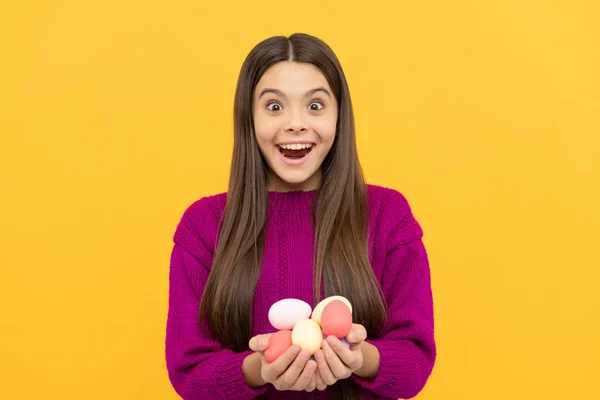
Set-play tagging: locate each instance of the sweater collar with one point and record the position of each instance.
(293, 200)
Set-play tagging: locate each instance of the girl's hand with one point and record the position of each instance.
(291, 371)
(335, 361)
(321, 385)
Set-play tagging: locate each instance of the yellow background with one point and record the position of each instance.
(116, 115)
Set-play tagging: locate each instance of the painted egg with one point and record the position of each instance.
(279, 342)
(285, 313)
(336, 319)
(316, 315)
(307, 333)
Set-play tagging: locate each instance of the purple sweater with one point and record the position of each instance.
(198, 365)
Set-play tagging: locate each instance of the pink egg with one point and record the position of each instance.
(336, 319)
(278, 344)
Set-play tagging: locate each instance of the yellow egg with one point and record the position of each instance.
(307, 333)
(316, 314)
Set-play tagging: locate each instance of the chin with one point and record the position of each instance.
(295, 180)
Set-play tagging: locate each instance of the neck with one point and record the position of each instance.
(276, 184)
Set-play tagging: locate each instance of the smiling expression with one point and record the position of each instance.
(295, 115)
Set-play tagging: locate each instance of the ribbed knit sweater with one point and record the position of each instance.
(198, 365)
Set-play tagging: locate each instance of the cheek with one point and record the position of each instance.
(265, 129)
(326, 129)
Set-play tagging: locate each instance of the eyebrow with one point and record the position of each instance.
(307, 94)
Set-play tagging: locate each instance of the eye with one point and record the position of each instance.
(274, 106)
(316, 105)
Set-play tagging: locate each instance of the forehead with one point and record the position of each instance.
(292, 78)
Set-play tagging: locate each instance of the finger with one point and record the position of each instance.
(293, 372)
(307, 378)
(259, 342)
(339, 370)
(325, 373)
(347, 356)
(320, 384)
(313, 382)
(311, 386)
(357, 334)
(279, 366)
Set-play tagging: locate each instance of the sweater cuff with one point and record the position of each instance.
(399, 372)
(230, 379)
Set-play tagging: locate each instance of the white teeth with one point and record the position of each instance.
(296, 146)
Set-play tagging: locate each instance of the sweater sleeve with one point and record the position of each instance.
(198, 366)
(406, 346)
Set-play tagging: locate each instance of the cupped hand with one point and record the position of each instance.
(291, 371)
(335, 361)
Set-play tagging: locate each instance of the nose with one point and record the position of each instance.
(295, 123)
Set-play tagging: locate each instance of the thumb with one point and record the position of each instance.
(357, 334)
(259, 342)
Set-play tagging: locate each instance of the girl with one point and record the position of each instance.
(297, 221)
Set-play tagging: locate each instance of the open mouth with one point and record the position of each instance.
(295, 151)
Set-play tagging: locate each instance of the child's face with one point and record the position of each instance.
(289, 110)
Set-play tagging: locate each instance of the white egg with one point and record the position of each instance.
(285, 313)
(316, 315)
(307, 333)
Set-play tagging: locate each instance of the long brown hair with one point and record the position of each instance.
(339, 213)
